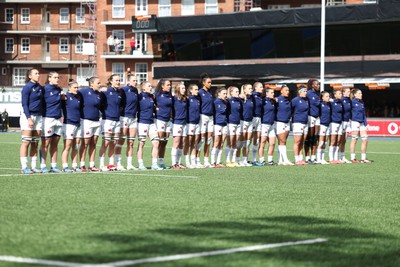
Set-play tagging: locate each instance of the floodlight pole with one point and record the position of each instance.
(322, 62)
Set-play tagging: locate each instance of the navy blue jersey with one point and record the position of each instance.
(258, 102)
(314, 102)
(32, 96)
(206, 104)
(52, 101)
(235, 110)
(164, 105)
(111, 104)
(193, 110)
(248, 106)
(269, 111)
(283, 110)
(358, 113)
(71, 107)
(325, 113)
(337, 111)
(220, 116)
(346, 102)
(129, 101)
(300, 109)
(146, 108)
(180, 111)
(90, 104)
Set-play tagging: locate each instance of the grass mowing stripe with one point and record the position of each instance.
(165, 258)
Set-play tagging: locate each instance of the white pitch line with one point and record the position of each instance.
(164, 258)
(38, 261)
(149, 174)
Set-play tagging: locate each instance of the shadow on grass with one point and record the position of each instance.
(346, 246)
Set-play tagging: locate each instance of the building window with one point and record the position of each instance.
(19, 75)
(78, 45)
(25, 16)
(120, 34)
(187, 7)
(63, 45)
(335, 2)
(9, 45)
(119, 68)
(9, 15)
(82, 73)
(25, 45)
(3, 71)
(141, 72)
(118, 8)
(80, 15)
(164, 8)
(278, 6)
(64, 15)
(141, 7)
(211, 7)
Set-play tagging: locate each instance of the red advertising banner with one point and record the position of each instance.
(383, 127)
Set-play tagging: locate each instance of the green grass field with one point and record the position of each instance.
(111, 217)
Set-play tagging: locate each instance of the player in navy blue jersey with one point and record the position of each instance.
(358, 126)
(335, 127)
(128, 121)
(220, 127)
(110, 124)
(325, 120)
(31, 120)
(206, 117)
(267, 127)
(282, 124)
(311, 142)
(245, 125)
(90, 123)
(193, 126)
(164, 106)
(71, 106)
(179, 128)
(147, 126)
(52, 124)
(235, 115)
(257, 113)
(346, 129)
(300, 109)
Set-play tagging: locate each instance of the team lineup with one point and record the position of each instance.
(238, 122)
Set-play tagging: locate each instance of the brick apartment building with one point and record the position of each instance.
(70, 36)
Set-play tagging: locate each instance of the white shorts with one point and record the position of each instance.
(246, 126)
(220, 130)
(147, 129)
(163, 126)
(268, 130)
(335, 128)
(256, 124)
(299, 128)
(206, 124)
(37, 123)
(324, 130)
(70, 131)
(179, 130)
(193, 129)
(128, 123)
(281, 127)
(346, 127)
(89, 128)
(358, 127)
(312, 121)
(234, 129)
(110, 127)
(51, 126)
